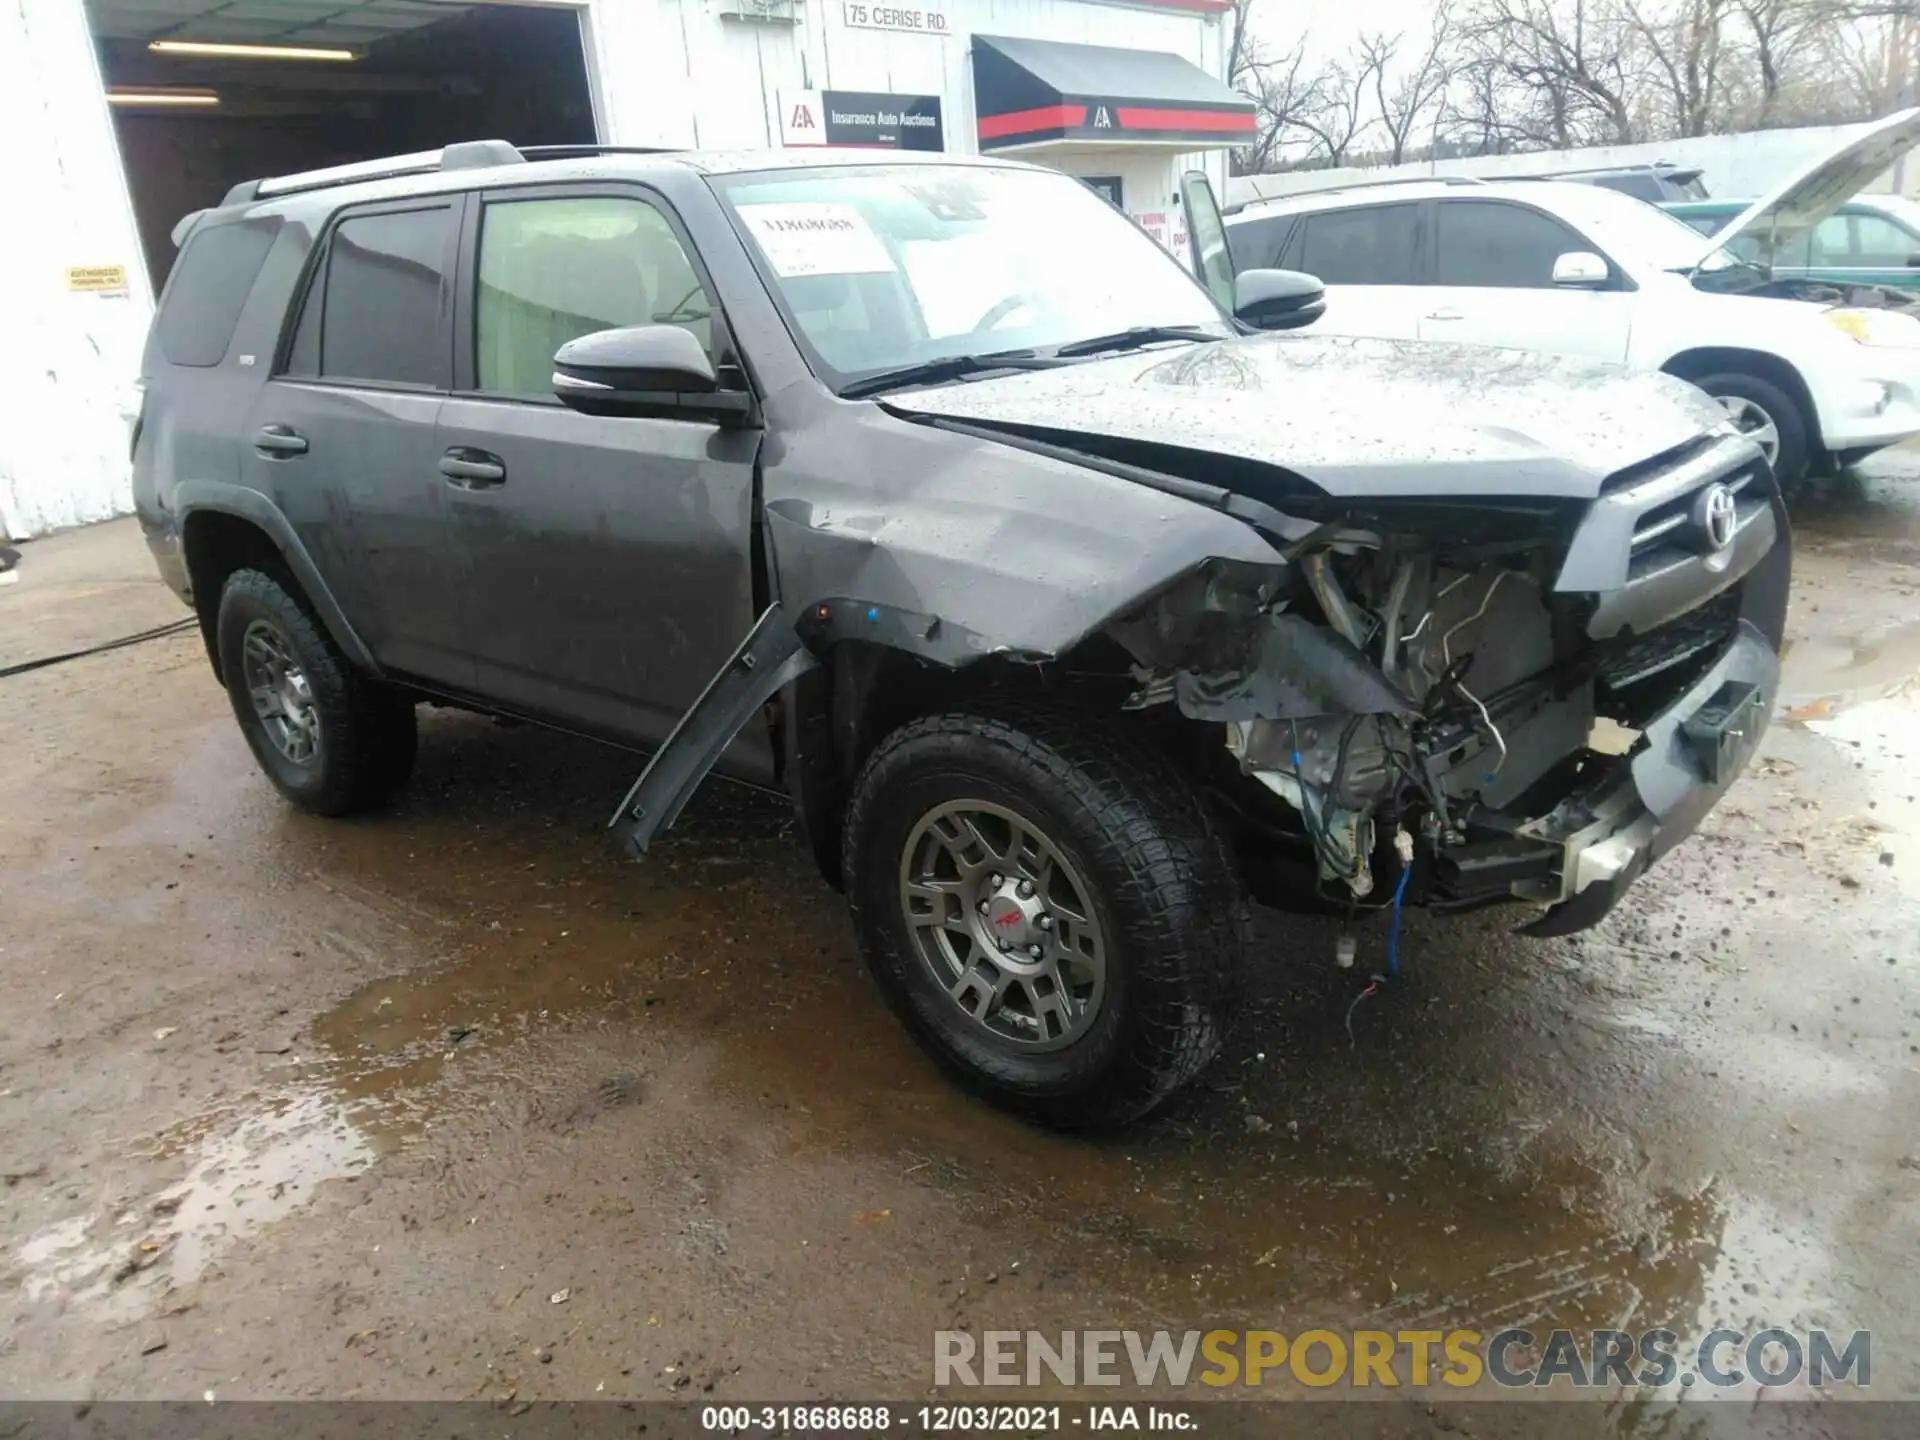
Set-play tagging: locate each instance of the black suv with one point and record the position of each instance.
(1071, 609)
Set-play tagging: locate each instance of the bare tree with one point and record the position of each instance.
(1406, 95)
(1683, 45)
(1337, 113)
(1284, 89)
(1487, 113)
(1575, 58)
(1778, 31)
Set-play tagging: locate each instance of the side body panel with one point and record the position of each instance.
(609, 570)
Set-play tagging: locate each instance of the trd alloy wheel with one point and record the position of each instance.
(1000, 918)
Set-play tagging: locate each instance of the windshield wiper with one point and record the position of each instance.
(1133, 339)
(948, 367)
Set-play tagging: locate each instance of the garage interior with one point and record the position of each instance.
(385, 77)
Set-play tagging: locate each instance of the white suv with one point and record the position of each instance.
(1574, 269)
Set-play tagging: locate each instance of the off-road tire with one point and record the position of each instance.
(367, 733)
(1791, 468)
(1164, 886)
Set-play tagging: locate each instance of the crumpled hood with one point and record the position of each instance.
(1357, 417)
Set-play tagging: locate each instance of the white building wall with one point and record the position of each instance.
(683, 72)
(68, 367)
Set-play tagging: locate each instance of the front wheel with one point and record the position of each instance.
(1770, 417)
(1048, 909)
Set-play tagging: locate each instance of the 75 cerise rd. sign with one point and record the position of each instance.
(912, 19)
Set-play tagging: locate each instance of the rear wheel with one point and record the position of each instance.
(1048, 909)
(1769, 416)
(331, 739)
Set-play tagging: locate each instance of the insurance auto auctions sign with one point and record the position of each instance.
(861, 117)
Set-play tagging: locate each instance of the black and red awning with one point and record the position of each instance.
(1037, 92)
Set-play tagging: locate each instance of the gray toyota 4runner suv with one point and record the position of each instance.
(1072, 610)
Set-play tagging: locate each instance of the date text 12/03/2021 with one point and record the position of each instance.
(945, 1419)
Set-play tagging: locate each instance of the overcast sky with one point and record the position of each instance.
(1279, 23)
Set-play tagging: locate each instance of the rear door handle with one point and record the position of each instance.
(1445, 315)
(470, 469)
(280, 440)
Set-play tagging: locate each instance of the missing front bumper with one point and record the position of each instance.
(1688, 757)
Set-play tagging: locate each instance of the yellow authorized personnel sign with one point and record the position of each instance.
(97, 279)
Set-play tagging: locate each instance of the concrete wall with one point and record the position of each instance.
(1736, 166)
(68, 368)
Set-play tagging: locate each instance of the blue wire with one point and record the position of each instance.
(1393, 935)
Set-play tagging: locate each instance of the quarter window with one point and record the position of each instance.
(211, 280)
(1374, 246)
(554, 270)
(1505, 247)
(385, 301)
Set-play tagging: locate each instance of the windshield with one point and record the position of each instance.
(1638, 234)
(889, 266)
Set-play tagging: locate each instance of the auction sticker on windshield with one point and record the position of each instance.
(816, 238)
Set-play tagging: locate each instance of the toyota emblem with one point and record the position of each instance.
(1714, 516)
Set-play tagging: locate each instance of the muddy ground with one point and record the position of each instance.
(453, 1102)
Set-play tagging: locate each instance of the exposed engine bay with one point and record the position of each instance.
(1401, 696)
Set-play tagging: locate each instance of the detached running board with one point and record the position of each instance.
(771, 657)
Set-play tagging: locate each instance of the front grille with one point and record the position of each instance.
(1669, 523)
(1639, 676)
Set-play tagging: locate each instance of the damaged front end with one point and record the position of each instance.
(1503, 700)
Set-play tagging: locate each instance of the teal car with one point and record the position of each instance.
(1870, 240)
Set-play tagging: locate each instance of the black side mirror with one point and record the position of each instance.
(649, 370)
(1278, 299)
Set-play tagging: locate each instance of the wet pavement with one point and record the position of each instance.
(454, 1102)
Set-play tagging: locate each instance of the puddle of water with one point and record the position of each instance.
(243, 1177)
(1884, 736)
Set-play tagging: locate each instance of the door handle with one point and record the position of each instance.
(1444, 315)
(281, 440)
(470, 469)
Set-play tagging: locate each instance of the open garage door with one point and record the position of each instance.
(206, 93)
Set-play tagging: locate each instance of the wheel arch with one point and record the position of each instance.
(224, 528)
(1703, 361)
(835, 715)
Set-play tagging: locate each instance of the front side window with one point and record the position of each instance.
(1491, 245)
(385, 306)
(1881, 243)
(1377, 245)
(555, 269)
(880, 267)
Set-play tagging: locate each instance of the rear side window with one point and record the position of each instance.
(379, 308)
(210, 283)
(1256, 243)
(1641, 185)
(1374, 246)
(1498, 246)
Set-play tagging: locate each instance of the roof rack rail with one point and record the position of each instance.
(464, 155)
(1355, 185)
(576, 152)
